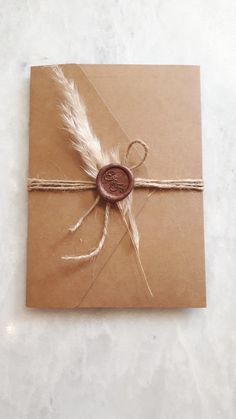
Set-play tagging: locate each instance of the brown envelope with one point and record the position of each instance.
(161, 105)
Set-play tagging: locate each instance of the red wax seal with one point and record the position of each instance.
(114, 182)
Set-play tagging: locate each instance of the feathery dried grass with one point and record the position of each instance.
(75, 120)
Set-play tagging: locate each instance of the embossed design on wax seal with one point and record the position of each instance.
(114, 182)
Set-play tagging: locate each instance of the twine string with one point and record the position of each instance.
(81, 219)
(97, 250)
(36, 184)
(145, 153)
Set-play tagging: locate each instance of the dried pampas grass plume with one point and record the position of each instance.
(75, 120)
(84, 141)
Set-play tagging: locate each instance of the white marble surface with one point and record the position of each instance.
(177, 364)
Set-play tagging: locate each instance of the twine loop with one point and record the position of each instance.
(145, 153)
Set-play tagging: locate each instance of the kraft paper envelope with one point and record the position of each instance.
(160, 105)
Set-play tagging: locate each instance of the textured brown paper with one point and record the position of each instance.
(161, 105)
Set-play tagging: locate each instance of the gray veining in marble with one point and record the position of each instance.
(177, 364)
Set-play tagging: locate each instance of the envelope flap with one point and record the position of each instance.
(161, 105)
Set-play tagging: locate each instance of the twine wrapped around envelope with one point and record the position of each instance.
(109, 174)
